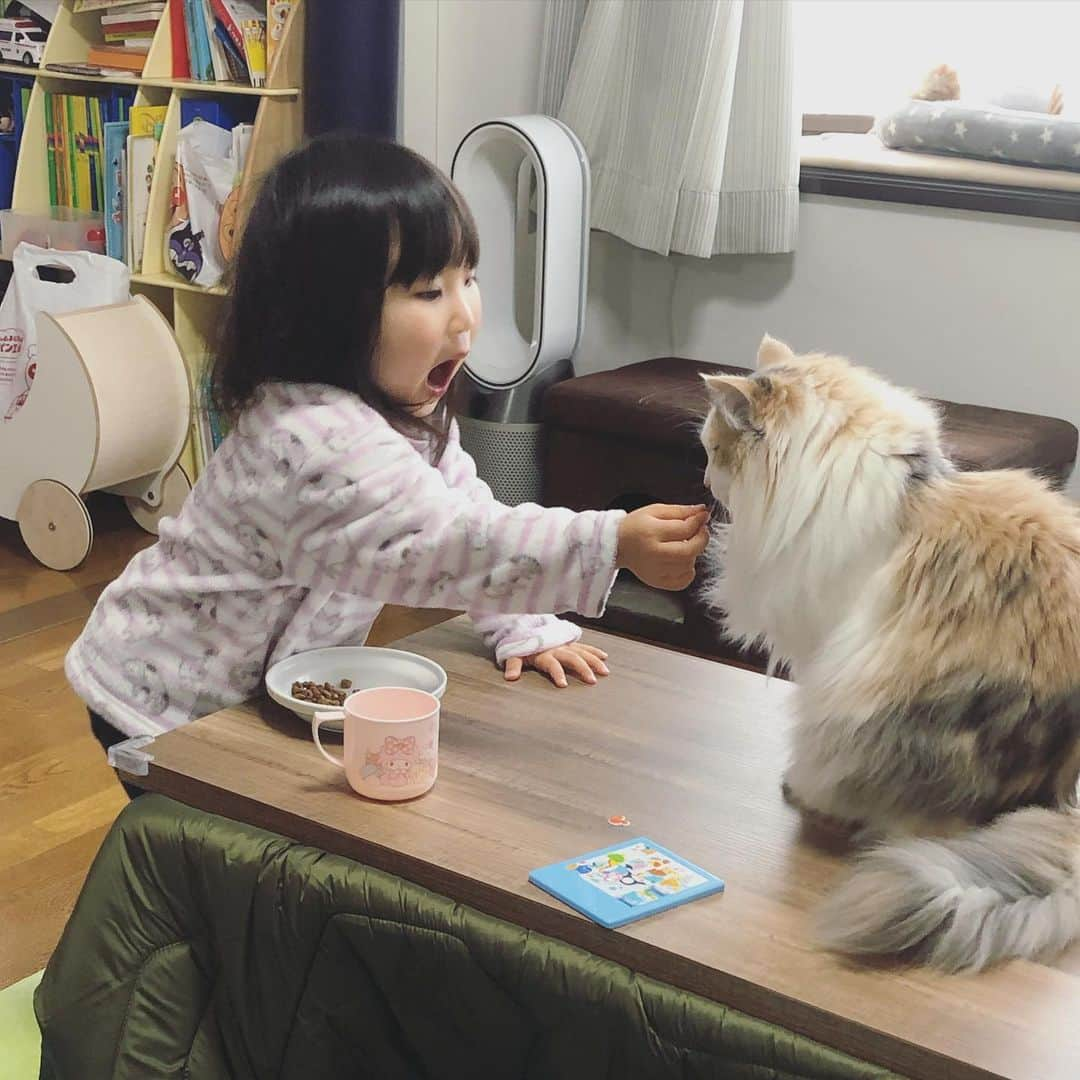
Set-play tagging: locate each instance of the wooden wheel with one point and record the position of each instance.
(55, 525)
(175, 488)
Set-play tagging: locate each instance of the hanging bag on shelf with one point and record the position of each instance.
(203, 179)
(55, 282)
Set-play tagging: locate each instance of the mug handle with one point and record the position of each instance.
(322, 718)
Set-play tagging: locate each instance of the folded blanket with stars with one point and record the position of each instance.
(986, 131)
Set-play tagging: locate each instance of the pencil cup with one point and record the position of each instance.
(391, 741)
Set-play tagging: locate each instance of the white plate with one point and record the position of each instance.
(365, 665)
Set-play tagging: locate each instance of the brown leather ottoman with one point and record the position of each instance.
(628, 437)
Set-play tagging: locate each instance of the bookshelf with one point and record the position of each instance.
(193, 311)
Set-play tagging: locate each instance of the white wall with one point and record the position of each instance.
(465, 61)
(966, 306)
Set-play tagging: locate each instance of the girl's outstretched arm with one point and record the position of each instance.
(368, 515)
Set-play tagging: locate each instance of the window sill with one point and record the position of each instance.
(859, 167)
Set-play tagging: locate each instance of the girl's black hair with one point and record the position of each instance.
(333, 225)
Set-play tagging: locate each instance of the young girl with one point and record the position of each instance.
(342, 485)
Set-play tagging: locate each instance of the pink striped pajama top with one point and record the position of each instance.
(313, 513)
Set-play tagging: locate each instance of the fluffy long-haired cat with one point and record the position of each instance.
(931, 619)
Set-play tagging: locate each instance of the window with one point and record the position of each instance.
(34, 35)
(861, 57)
(5, 35)
(856, 59)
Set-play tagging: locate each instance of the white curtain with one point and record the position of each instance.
(687, 111)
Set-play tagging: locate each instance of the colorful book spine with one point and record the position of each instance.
(50, 150)
(92, 157)
(115, 135)
(71, 156)
(63, 176)
(121, 102)
(217, 53)
(215, 424)
(80, 132)
(232, 27)
(203, 67)
(255, 50)
(117, 56)
(192, 43)
(181, 65)
(97, 133)
(233, 57)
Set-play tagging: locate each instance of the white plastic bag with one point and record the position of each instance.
(205, 173)
(93, 281)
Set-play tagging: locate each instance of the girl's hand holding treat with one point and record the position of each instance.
(659, 544)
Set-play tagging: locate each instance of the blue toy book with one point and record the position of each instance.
(628, 881)
(116, 134)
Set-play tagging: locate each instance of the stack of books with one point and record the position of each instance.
(128, 31)
(219, 40)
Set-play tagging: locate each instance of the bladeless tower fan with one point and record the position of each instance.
(526, 179)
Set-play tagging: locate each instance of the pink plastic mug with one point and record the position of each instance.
(391, 741)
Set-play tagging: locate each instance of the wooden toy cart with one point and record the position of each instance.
(109, 410)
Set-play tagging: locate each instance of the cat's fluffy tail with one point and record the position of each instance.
(1010, 889)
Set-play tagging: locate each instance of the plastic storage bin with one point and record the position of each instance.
(59, 228)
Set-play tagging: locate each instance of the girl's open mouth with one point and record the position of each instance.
(440, 376)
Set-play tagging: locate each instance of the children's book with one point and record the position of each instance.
(255, 50)
(181, 65)
(234, 58)
(628, 881)
(75, 190)
(95, 138)
(79, 129)
(145, 118)
(202, 64)
(140, 166)
(217, 52)
(50, 149)
(116, 134)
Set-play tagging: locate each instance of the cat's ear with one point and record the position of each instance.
(771, 351)
(732, 397)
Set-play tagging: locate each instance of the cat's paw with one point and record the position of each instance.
(817, 821)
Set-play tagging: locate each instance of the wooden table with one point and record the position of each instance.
(691, 752)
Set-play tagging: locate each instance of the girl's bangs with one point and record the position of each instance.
(430, 233)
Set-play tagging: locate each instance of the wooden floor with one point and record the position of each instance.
(57, 794)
